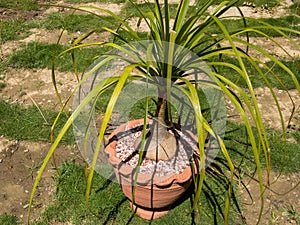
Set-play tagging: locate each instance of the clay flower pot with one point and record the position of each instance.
(153, 196)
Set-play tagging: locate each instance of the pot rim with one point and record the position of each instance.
(127, 171)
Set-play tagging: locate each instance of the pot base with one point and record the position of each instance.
(147, 214)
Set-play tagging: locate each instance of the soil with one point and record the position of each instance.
(20, 160)
(19, 165)
(280, 198)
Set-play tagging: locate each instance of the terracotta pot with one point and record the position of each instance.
(152, 198)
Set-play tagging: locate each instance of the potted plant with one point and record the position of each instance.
(181, 57)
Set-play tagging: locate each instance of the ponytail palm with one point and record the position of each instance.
(174, 51)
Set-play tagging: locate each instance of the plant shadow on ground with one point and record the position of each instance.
(108, 205)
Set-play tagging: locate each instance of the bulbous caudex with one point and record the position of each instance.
(159, 144)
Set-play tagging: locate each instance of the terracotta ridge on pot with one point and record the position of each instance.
(152, 198)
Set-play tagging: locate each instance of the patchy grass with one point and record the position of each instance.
(19, 4)
(13, 30)
(41, 55)
(107, 205)
(3, 68)
(101, 1)
(29, 124)
(2, 85)
(9, 220)
(287, 22)
(284, 155)
(76, 22)
(295, 8)
(268, 4)
(257, 80)
(35, 55)
(133, 11)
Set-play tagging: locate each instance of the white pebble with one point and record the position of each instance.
(125, 149)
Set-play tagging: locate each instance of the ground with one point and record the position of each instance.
(20, 160)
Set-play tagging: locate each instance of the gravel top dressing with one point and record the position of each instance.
(127, 153)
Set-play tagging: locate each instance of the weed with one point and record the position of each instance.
(292, 213)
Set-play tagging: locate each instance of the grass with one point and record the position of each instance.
(26, 5)
(28, 123)
(31, 4)
(35, 55)
(2, 85)
(75, 22)
(257, 80)
(40, 55)
(284, 154)
(233, 25)
(290, 21)
(15, 29)
(19, 28)
(295, 8)
(131, 10)
(88, 1)
(107, 204)
(9, 220)
(258, 3)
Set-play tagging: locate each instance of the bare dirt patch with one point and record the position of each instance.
(282, 200)
(34, 86)
(287, 50)
(8, 14)
(19, 164)
(289, 103)
(92, 7)
(52, 36)
(249, 10)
